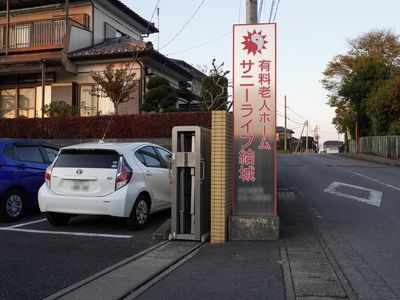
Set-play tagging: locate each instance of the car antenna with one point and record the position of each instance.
(108, 126)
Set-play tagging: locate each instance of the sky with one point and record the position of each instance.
(309, 34)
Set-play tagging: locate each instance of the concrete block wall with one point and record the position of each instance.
(221, 174)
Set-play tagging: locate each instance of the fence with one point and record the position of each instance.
(385, 146)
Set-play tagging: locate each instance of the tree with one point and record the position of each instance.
(160, 96)
(117, 84)
(383, 107)
(60, 109)
(350, 78)
(215, 89)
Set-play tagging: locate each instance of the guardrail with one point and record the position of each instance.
(385, 146)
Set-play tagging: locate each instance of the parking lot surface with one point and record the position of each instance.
(38, 259)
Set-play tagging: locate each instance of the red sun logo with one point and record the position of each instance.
(254, 42)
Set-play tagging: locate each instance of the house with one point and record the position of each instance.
(190, 93)
(333, 147)
(49, 47)
(280, 133)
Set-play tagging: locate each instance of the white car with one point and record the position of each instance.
(128, 180)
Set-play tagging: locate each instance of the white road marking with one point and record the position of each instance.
(66, 233)
(28, 223)
(374, 198)
(375, 180)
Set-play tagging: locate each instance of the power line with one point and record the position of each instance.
(240, 10)
(299, 123)
(260, 9)
(291, 118)
(296, 114)
(276, 10)
(202, 44)
(183, 27)
(271, 10)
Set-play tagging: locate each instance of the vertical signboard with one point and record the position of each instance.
(254, 96)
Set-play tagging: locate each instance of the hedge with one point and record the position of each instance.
(123, 126)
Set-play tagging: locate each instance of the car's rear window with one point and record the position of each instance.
(102, 159)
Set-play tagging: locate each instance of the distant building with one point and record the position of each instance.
(280, 133)
(333, 147)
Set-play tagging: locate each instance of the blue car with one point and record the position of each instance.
(22, 167)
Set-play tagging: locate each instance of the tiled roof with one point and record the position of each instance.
(126, 47)
(112, 47)
(280, 129)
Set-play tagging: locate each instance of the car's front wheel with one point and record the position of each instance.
(140, 213)
(57, 219)
(12, 206)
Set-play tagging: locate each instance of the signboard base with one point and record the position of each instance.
(253, 228)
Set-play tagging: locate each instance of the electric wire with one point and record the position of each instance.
(296, 114)
(260, 10)
(184, 26)
(131, 69)
(240, 10)
(276, 10)
(202, 44)
(292, 118)
(271, 10)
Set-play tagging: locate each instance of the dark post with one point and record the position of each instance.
(43, 84)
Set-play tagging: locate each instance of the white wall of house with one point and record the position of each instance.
(103, 15)
(79, 39)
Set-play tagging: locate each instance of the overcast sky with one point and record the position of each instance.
(310, 33)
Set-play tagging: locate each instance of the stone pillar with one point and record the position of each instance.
(221, 174)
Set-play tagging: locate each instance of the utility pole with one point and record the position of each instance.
(307, 138)
(300, 139)
(285, 135)
(158, 25)
(251, 12)
(316, 136)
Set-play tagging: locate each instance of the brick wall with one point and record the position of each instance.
(221, 174)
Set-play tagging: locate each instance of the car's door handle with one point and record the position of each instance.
(149, 173)
(21, 166)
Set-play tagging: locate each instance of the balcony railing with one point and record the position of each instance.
(34, 35)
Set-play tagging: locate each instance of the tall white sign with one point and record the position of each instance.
(254, 98)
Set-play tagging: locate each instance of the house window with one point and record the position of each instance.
(112, 32)
(23, 102)
(8, 103)
(26, 102)
(88, 103)
(20, 35)
(93, 105)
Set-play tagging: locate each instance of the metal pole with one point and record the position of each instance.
(158, 25)
(251, 12)
(285, 127)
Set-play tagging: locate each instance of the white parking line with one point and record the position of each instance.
(27, 223)
(374, 197)
(66, 233)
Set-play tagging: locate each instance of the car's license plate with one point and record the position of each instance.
(80, 186)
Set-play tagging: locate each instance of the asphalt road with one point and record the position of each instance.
(356, 206)
(38, 259)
